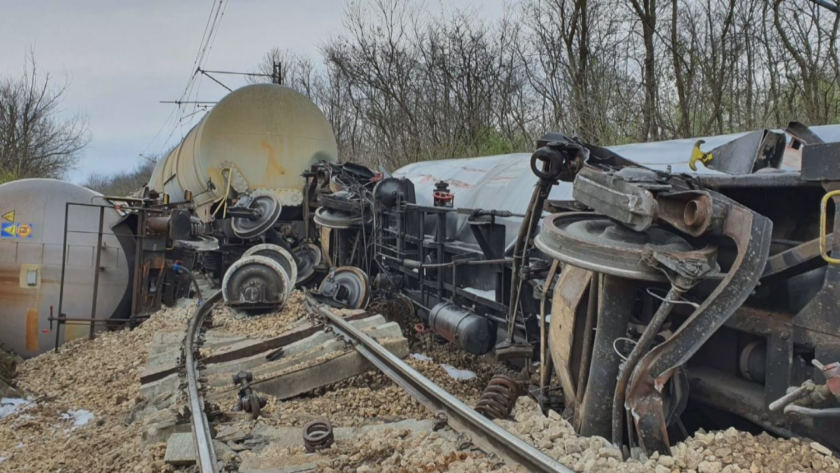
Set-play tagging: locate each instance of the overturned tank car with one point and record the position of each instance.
(232, 201)
(244, 169)
(642, 287)
(51, 233)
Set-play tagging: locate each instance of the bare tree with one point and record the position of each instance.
(123, 183)
(646, 12)
(810, 39)
(35, 140)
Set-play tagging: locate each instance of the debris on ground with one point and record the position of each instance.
(9, 406)
(9, 362)
(86, 400)
(81, 404)
(729, 451)
(268, 325)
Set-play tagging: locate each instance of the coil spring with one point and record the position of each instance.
(317, 435)
(498, 399)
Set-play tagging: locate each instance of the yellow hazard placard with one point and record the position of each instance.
(9, 216)
(8, 230)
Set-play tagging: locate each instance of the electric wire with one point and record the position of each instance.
(192, 87)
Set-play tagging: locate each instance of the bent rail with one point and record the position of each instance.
(483, 432)
(207, 461)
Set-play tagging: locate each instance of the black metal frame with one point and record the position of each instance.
(434, 268)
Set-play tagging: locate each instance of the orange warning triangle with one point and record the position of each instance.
(9, 216)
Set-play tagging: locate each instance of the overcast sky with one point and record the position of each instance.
(124, 57)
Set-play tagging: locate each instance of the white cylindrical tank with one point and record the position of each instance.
(267, 134)
(31, 248)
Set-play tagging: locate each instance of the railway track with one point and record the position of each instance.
(206, 454)
(480, 430)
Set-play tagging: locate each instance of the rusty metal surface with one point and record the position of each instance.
(25, 308)
(499, 398)
(751, 233)
(616, 197)
(690, 212)
(268, 134)
(202, 434)
(641, 347)
(318, 435)
(570, 292)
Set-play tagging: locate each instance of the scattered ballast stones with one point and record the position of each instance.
(729, 451)
(82, 406)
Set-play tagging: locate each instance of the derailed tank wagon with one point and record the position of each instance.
(50, 234)
(714, 289)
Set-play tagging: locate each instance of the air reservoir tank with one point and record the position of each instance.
(266, 134)
(31, 249)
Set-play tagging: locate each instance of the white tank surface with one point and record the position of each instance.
(31, 248)
(506, 182)
(266, 134)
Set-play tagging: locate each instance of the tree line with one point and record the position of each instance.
(400, 84)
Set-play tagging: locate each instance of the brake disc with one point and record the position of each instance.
(269, 211)
(280, 255)
(599, 244)
(255, 282)
(348, 286)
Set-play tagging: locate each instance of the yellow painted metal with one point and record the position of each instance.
(269, 135)
(823, 231)
(698, 155)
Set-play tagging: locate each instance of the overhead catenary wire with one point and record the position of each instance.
(192, 87)
(208, 47)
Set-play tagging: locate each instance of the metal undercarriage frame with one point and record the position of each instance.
(432, 269)
(724, 317)
(728, 352)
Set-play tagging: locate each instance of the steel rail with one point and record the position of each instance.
(482, 431)
(206, 460)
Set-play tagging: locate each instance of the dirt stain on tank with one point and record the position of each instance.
(273, 168)
(10, 290)
(32, 330)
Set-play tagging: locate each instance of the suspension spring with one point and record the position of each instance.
(498, 398)
(318, 435)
